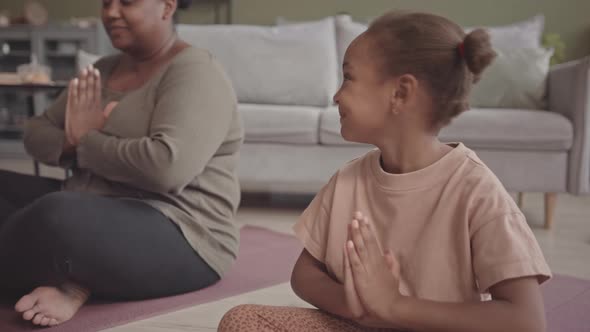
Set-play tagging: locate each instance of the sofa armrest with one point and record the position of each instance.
(569, 94)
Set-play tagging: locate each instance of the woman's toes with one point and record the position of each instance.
(53, 322)
(38, 318)
(26, 302)
(29, 314)
(45, 321)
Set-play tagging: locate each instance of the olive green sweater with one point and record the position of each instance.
(172, 143)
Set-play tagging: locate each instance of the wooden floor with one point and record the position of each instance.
(566, 247)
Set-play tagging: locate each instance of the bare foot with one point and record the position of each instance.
(50, 306)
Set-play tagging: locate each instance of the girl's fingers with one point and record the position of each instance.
(355, 261)
(392, 263)
(357, 238)
(369, 238)
(347, 268)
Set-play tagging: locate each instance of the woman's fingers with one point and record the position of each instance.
(109, 108)
(97, 90)
(90, 88)
(73, 101)
(82, 89)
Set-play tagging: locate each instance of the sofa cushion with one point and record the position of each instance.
(346, 31)
(506, 129)
(499, 87)
(511, 129)
(280, 123)
(286, 65)
(524, 34)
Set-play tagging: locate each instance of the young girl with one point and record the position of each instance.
(416, 235)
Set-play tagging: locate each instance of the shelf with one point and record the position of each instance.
(56, 46)
(11, 132)
(60, 55)
(12, 148)
(15, 54)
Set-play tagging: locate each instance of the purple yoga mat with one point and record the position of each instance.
(266, 258)
(567, 304)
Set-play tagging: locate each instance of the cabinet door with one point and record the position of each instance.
(16, 48)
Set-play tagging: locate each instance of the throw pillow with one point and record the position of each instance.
(516, 79)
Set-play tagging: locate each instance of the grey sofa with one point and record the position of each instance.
(285, 78)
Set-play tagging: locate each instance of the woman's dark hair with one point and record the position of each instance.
(184, 4)
(436, 51)
(181, 5)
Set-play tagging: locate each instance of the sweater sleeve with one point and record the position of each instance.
(192, 115)
(44, 135)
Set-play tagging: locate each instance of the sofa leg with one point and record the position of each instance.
(550, 202)
(520, 200)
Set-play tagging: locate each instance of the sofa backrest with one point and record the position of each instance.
(287, 65)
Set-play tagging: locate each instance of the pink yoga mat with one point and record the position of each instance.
(266, 258)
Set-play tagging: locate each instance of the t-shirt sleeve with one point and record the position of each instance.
(313, 225)
(505, 248)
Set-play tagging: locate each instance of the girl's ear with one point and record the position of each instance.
(405, 88)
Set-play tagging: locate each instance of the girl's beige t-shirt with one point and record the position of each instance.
(454, 228)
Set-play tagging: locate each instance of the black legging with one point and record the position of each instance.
(120, 249)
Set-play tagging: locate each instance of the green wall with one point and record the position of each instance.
(569, 18)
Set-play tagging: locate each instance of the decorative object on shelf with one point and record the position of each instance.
(35, 13)
(68, 48)
(29, 73)
(34, 72)
(4, 19)
(84, 22)
(5, 48)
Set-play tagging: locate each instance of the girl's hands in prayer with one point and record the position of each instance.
(375, 275)
(352, 299)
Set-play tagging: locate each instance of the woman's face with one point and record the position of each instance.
(132, 24)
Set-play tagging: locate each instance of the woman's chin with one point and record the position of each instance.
(120, 44)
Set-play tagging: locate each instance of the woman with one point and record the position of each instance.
(152, 137)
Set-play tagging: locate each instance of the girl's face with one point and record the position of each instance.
(364, 99)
